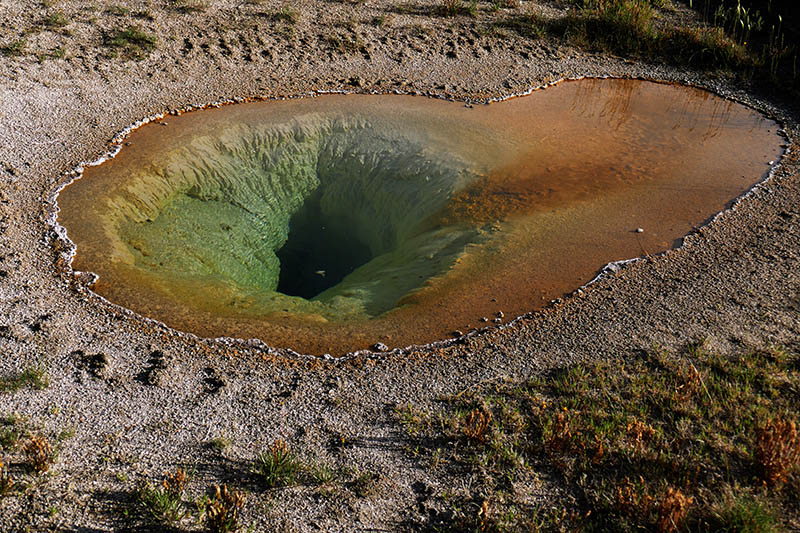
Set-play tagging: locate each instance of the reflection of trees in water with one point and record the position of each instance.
(685, 108)
(598, 98)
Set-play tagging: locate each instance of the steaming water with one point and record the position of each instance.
(329, 224)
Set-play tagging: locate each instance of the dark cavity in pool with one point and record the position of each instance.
(320, 251)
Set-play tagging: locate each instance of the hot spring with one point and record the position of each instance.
(329, 224)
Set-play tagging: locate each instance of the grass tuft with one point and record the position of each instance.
(222, 512)
(34, 378)
(39, 453)
(277, 466)
(132, 43)
(164, 503)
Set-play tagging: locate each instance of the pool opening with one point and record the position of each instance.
(320, 251)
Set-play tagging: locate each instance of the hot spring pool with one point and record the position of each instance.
(329, 224)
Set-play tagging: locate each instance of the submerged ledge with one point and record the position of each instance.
(69, 248)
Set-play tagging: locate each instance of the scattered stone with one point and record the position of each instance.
(639, 230)
(380, 347)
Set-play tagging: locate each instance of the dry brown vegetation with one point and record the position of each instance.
(650, 442)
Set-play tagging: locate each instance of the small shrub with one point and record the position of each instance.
(777, 450)
(672, 510)
(163, 503)
(277, 466)
(476, 425)
(222, 512)
(39, 453)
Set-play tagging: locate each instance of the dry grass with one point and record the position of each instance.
(777, 450)
(38, 453)
(649, 442)
(222, 512)
(476, 424)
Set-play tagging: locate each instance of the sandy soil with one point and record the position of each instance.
(156, 398)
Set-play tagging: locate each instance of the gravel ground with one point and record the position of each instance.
(154, 399)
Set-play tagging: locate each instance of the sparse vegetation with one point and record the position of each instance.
(451, 8)
(277, 466)
(55, 20)
(651, 442)
(34, 378)
(190, 6)
(12, 431)
(15, 48)
(734, 37)
(39, 453)
(220, 443)
(222, 511)
(287, 14)
(6, 480)
(164, 503)
(132, 43)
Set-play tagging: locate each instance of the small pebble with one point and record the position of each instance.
(639, 230)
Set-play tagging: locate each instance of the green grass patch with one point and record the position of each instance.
(34, 378)
(131, 43)
(277, 466)
(734, 38)
(659, 441)
(14, 48)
